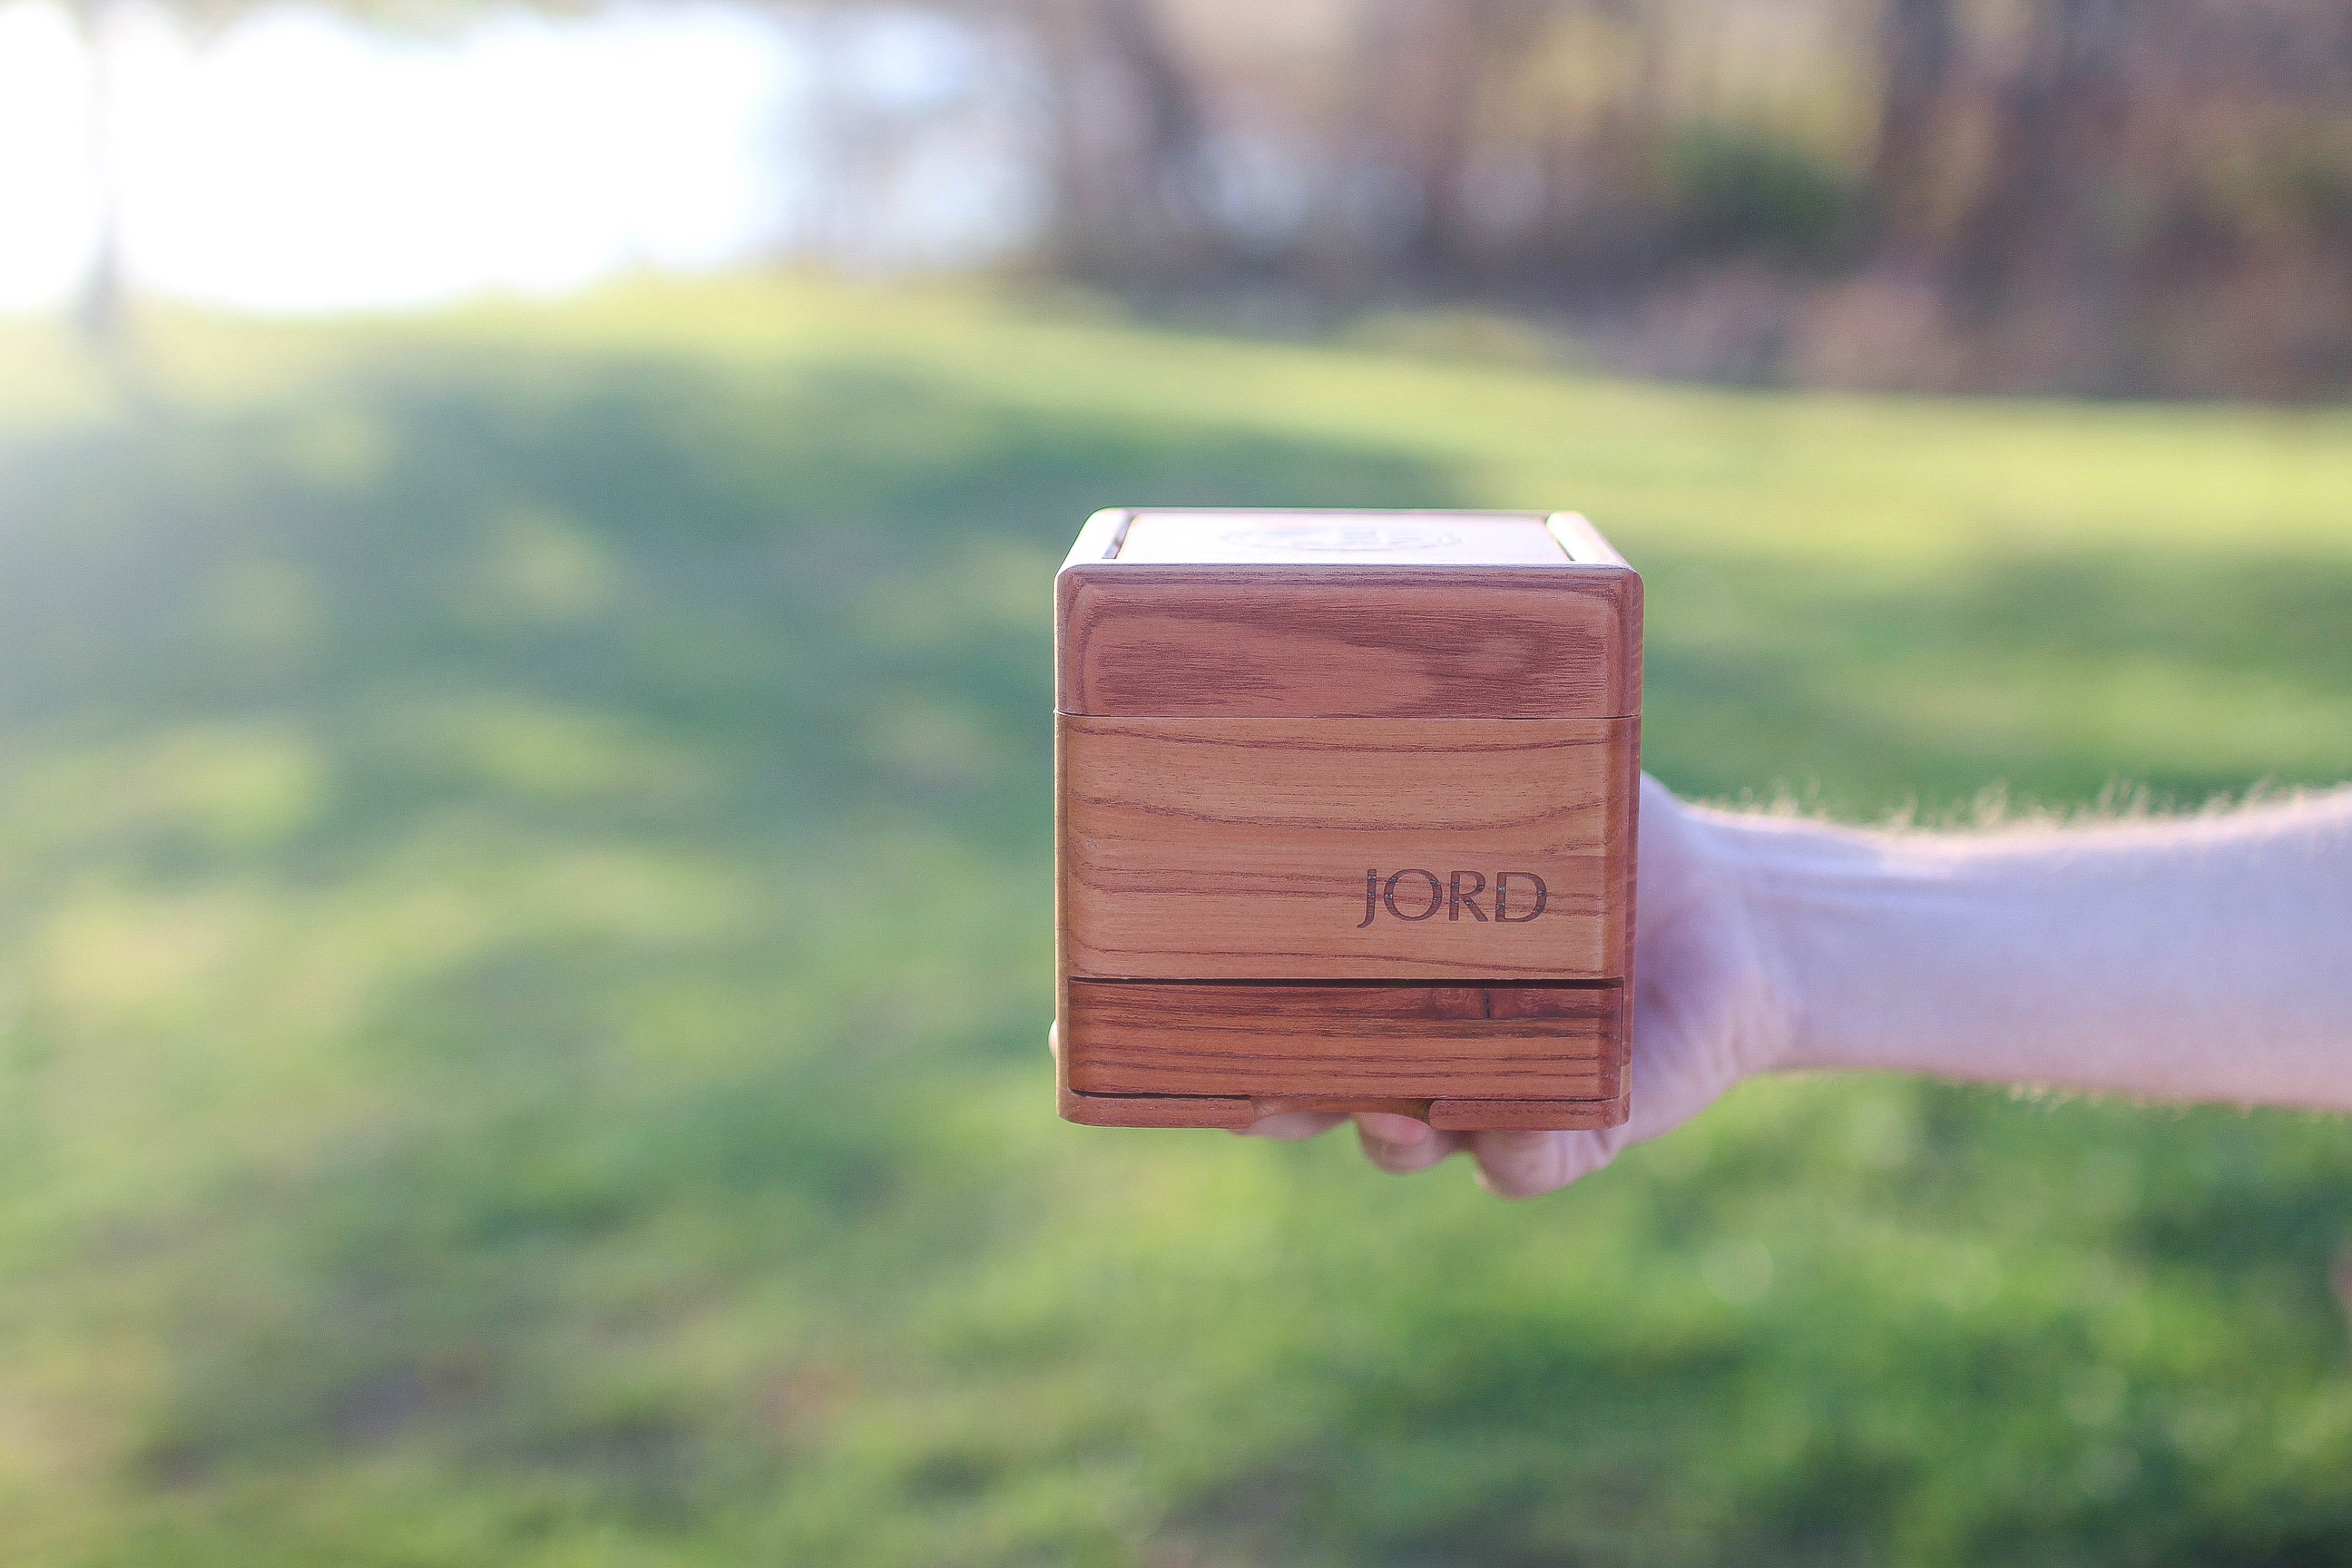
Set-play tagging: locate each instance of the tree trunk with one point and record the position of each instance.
(1130, 141)
(1430, 64)
(101, 306)
(1918, 52)
(2054, 142)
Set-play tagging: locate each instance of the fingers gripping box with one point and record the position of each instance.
(1345, 818)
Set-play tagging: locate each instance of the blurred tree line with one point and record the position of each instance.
(2091, 195)
(2082, 194)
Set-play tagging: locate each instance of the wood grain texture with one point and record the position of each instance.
(1155, 1110)
(1502, 642)
(1242, 739)
(1363, 1042)
(1245, 848)
(1232, 1112)
(1446, 1115)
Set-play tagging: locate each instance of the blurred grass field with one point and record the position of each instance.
(524, 959)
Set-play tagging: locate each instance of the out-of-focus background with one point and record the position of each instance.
(524, 828)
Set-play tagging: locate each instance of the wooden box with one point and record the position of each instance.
(1344, 817)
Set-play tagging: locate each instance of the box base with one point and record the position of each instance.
(1487, 1056)
(1235, 1113)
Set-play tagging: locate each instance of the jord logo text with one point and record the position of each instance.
(1413, 894)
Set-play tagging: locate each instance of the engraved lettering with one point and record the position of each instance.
(1457, 900)
(1436, 894)
(1518, 895)
(1501, 896)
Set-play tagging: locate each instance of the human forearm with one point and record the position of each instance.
(2200, 959)
(2208, 958)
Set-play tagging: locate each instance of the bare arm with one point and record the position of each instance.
(2206, 958)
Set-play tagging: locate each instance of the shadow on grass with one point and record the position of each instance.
(526, 929)
(824, 585)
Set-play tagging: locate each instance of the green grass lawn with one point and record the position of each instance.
(524, 959)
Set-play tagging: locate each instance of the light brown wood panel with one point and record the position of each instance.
(1155, 1110)
(1506, 642)
(1446, 1115)
(1259, 707)
(1340, 849)
(1327, 1042)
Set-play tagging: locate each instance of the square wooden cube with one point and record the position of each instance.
(1345, 818)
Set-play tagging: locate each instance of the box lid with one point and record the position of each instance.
(1301, 613)
(1339, 539)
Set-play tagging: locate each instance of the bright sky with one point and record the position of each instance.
(298, 163)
